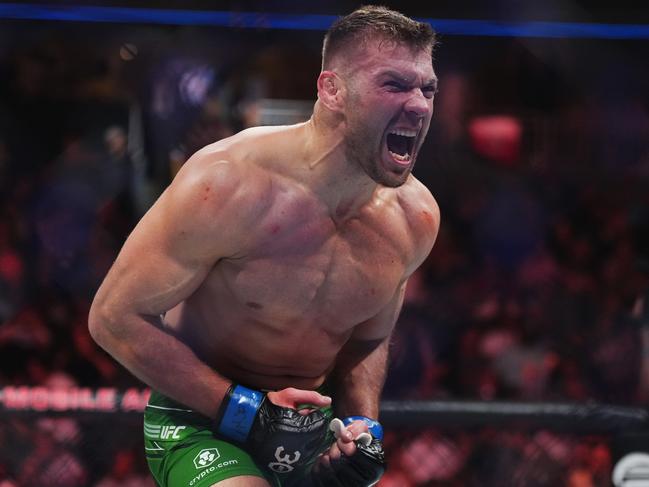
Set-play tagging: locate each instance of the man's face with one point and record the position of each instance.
(388, 109)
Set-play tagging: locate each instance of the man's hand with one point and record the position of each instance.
(346, 439)
(356, 459)
(282, 430)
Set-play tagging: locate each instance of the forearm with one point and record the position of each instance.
(359, 377)
(160, 360)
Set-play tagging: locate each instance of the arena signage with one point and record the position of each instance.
(42, 399)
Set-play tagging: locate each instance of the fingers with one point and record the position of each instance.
(341, 446)
(340, 431)
(344, 440)
(347, 436)
(345, 444)
(360, 432)
(358, 429)
(313, 398)
(299, 399)
(324, 461)
(336, 450)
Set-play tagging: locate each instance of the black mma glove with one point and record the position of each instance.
(363, 469)
(279, 438)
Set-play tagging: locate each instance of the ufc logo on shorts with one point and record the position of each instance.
(284, 462)
(167, 432)
(171, 432)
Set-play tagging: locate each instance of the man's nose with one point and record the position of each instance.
(418, 105)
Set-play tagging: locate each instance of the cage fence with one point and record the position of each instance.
(46, 440)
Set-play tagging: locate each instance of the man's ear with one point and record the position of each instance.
(331, 90)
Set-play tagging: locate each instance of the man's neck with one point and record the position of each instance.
(342, 185)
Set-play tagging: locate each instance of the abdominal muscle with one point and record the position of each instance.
(256, 354)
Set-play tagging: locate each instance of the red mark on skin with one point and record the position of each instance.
(274, 229)
(207, 190)
(427, 217)
(373, 291)
(254, 305)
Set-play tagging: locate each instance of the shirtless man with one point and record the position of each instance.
(268, 277)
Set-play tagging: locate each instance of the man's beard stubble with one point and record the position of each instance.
(359, 151)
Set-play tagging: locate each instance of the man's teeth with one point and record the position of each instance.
(404, 133)
(405, 157)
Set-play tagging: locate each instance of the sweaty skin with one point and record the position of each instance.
(276, 313)
(275, 259)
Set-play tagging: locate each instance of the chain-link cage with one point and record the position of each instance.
(439, 443)
(490, 456)
(102, 451)
(72, 451)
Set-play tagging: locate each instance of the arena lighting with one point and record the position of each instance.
(268, 20)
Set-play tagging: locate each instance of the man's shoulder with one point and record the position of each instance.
(212, 169)
(254, 142)
(422, 215)
(242, 171)
(414, 197)
(251, 150)
(235, 158)
(216, 180)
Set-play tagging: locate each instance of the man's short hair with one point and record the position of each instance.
(370, 22)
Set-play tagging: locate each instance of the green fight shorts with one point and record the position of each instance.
(182, 450)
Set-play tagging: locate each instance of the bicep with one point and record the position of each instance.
(152, 272)
(172, 249)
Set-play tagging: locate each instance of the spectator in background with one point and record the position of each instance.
(640, 317)
(415, 368)
(209, 127)
(117, 205)
(25, 345)
(4, 165)
(64, 213)
(12, 271)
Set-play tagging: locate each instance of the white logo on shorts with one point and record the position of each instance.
(283, 463)
(206, 457)
(159, 432)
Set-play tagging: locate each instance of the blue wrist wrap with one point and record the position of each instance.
(240, 413)
(376, 430)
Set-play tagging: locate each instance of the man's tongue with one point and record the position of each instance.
(398, 148)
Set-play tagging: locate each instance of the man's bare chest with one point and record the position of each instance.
(315, 271)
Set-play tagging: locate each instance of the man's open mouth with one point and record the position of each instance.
(401, 144)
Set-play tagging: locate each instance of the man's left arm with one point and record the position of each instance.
(362, 363)
(356, 459)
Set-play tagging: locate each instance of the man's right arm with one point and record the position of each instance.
(197, 221)
(205, 215)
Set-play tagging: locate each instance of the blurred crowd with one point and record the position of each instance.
(534, 290)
